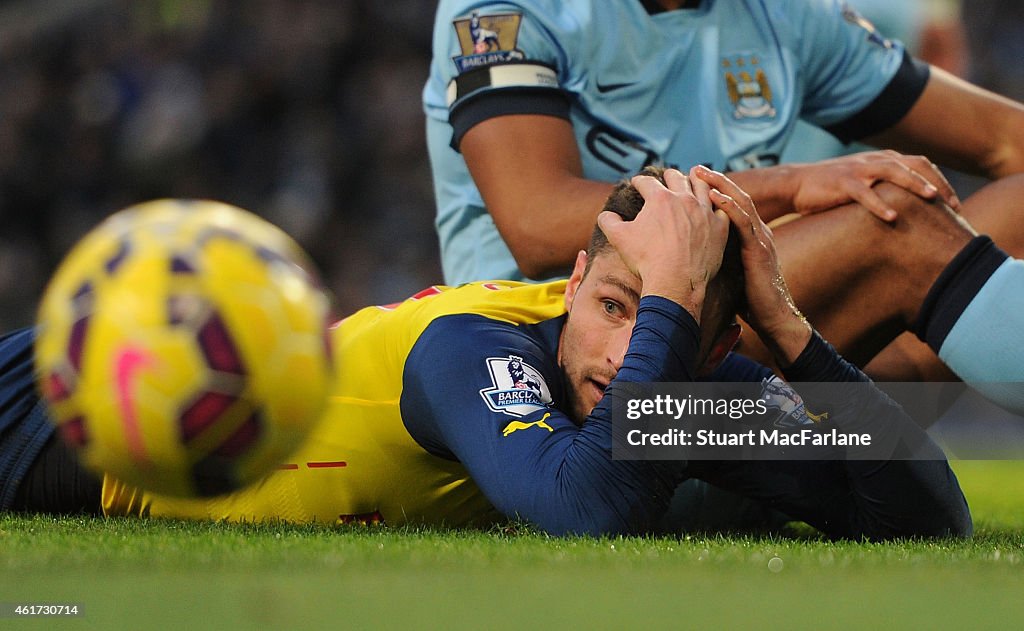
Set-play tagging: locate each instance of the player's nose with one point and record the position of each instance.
(618, 344)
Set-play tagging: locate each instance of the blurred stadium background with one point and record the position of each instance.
(304, 111)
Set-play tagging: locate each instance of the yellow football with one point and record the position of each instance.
(182, 347)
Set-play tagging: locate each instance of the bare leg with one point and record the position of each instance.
(861, 281)
(908, 359)
(996, 210)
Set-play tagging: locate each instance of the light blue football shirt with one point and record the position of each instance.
(897, 20)
(722, 84)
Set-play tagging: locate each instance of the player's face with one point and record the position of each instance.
(602, 309)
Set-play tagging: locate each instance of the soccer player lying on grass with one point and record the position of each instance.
(466, 405)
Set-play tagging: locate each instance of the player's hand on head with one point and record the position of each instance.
(675, 243)
(771, 310)
(830, 183)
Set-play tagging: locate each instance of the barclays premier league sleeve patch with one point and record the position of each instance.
(489, 59)
(787, 406)
(853, 17)
(517, 388)
(485, 40)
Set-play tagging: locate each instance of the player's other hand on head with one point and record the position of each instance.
(675, 243)
(837, 181)
(771, 310)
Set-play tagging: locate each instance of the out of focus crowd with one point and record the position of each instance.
(306, 112)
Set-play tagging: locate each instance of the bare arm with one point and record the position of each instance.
(528, 170)
(953, 123)
(809, 188)
(963, 126)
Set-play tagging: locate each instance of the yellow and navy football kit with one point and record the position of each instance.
(362, 462)
(447, 408)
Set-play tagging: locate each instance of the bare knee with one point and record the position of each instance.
(920, 218)
(861, 280)
(920, 243)
(996, 210)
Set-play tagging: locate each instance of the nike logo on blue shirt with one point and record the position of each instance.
(608, 87)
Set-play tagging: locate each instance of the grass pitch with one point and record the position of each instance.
(128, 574)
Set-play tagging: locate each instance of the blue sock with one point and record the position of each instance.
(973, 317)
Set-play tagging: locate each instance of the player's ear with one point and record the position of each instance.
(578, 271)
(723, 345)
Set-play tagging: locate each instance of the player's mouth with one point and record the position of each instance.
(598, 387)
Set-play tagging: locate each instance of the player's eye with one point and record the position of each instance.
(612, 308)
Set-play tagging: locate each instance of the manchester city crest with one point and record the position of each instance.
(748, 88)
(517, 388)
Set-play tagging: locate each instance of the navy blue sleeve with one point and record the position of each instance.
(914, 493)
(861, 409)
(738, 369)
(24, 426)
(529, 458)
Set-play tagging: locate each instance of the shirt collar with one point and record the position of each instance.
(653, 7)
